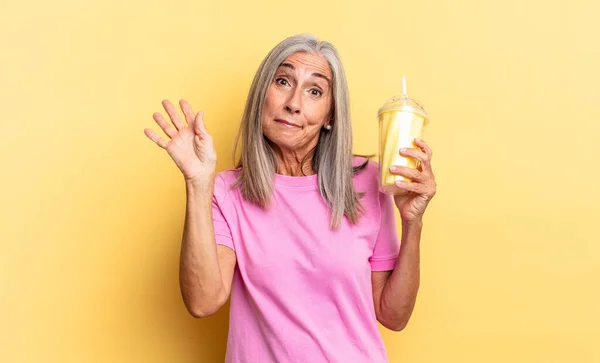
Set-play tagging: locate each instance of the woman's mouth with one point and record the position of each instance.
(286, 123)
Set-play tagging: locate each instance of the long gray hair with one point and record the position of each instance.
(332, 158)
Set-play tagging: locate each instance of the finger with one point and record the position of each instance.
(157, 139)
(187, 111)
(425, 190)
(423, 145)
(199, 126)
(426, 168)
(411, 173)
(410, 186)
(417, 154)
(164, 125)
(175, 118)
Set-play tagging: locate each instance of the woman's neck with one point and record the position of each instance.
(294, 163)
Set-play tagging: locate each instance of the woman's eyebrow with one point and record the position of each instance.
(322, 76)
(316, 74)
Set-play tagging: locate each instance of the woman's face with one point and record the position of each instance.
(298, 103)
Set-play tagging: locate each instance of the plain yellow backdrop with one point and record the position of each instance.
(92, 211)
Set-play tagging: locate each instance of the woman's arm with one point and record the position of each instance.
(395, 292)
(205, 269)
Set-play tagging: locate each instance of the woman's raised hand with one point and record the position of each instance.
(191, 147)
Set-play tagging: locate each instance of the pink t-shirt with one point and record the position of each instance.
(302, 292)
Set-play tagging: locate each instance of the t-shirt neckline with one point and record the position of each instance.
(297, 181)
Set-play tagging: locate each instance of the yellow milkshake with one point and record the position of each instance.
(401, 120)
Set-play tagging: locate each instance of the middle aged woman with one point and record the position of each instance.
(298, 234)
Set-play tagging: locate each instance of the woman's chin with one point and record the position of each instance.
(283, 143)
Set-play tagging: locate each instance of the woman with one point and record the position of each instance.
(298, 235)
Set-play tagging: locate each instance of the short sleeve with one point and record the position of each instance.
(387, 245)
(221, 227)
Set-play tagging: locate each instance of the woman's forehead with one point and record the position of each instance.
(313, 62)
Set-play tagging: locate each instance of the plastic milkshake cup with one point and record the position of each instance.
(401, 120)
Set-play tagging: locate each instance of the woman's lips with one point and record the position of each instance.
(286, 123)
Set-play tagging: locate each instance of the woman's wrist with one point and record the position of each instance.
(413, 223)
(200, 187)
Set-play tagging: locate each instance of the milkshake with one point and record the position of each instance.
(401, 120)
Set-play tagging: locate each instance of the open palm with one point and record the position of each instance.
(191, 147)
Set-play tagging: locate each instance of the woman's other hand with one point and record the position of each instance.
(421, 190)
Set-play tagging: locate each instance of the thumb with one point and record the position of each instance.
(199, 127)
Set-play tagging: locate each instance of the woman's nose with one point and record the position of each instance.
(294, 102)
(292, 109)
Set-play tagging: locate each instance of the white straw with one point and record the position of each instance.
(404, 85)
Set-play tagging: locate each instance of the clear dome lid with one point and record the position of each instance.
(403, 103)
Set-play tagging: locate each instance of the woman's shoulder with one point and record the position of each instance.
(366, 165)
(367, 175)
(229, 176)
(224, 182)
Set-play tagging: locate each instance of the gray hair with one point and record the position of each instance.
(332, 159)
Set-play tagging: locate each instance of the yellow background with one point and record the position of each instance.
(92, 211)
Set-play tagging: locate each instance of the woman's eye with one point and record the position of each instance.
(315, 92)
(282, 81)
